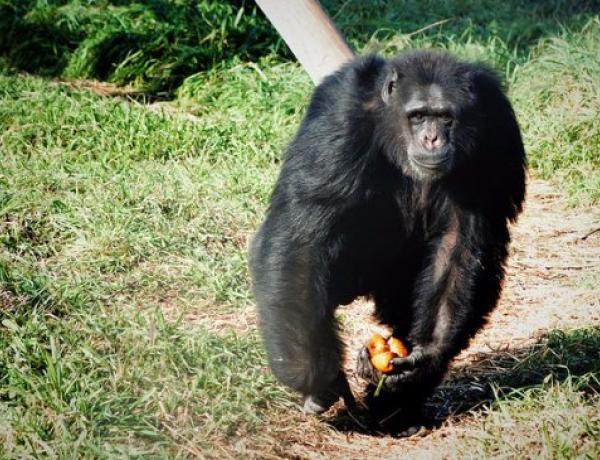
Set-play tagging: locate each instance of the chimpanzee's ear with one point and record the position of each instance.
(471, 84)
(389, 84)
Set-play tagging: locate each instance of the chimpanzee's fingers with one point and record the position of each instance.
(416, 357)
(364, 368)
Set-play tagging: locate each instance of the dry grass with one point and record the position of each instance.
(126, 324)
(543, 294)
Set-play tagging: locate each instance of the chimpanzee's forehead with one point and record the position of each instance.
(429, 95)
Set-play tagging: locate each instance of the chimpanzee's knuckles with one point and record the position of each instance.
(364, 368)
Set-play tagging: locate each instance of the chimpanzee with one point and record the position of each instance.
(399, 185)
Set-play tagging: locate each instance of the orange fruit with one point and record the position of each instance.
(396, 346)
(381, 361)
(377, 344)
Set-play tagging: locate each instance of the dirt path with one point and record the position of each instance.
(553, 282)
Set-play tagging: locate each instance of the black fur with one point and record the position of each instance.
(349, 217)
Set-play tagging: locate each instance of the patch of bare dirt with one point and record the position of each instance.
(550, 284)
(107, 89)
(159, 102)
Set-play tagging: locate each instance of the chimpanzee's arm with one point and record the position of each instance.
(453, 295)
(297, 323)
(323, 174)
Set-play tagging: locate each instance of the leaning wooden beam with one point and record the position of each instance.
(310, 34)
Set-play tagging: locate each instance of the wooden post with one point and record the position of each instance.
(310, 34)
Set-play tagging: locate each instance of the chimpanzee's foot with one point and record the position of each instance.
(400, 414)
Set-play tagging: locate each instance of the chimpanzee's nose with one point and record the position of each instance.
(431, 140)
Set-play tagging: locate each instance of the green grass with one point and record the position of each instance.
(501, 33)
(116, 223)
(547, 404)
(557, 95)
(123, 228)
(152, 44)
(549, 421)
(107, 381)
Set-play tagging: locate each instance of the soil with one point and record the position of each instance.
(553, 282)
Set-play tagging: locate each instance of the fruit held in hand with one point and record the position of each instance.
(377, 344)
(396, 346)
(382, 352)
(382, 361)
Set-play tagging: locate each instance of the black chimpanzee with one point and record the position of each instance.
(399, 185)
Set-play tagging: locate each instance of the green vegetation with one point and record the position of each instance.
(551, 407)
(558, 98)
(123, 226)
(117, 224)
(153, 44)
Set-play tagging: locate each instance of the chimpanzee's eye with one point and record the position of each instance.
(447, 119)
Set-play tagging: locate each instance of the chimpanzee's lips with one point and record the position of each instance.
(429, 163)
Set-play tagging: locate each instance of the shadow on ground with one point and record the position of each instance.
(555, 357)
(517, 23)
(157, 44)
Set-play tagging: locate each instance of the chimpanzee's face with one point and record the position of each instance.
(427, 119)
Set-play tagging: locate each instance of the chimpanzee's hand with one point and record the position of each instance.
(406, 370)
